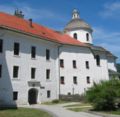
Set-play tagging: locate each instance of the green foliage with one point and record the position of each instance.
(55, 101)
(105, 95)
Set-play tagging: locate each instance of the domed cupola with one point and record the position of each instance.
(78, 28)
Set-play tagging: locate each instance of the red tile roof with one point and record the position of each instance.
(22, 25)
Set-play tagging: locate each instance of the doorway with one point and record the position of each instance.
(32, 96)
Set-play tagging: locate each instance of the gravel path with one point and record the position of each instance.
(59, 111)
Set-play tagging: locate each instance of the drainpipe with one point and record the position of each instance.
(59, 67)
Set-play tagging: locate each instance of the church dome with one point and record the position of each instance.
(77, 23)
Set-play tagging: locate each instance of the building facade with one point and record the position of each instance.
(38, 64)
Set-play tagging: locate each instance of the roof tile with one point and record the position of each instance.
(23, 25)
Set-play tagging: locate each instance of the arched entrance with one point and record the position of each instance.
(32, 96)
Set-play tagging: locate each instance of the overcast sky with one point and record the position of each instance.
(102, 15)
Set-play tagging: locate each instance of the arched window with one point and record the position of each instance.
(87, 36)
(75, 35)
(97, 60)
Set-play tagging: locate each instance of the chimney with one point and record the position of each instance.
(18, 13)
(30, 22)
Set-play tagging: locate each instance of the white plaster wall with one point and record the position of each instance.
(111, 63)
(96, 74)
(24, 61)
(81, 34)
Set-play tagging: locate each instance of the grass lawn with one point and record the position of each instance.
(80, 109)
(79, 104)
(23, 112)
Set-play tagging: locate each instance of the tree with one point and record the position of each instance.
(105, 95)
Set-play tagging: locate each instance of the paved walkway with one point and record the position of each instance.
(59, 111)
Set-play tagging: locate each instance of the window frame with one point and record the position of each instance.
(97, 57)
(15, 95)
(75, 79)
(74, 64)
(62, 63)
(87, 65)
(47, 74)
(1, 45)
(33, 72)
(62, 80)
(33, 52)
(0, 70)
(15, 71)
(16, 48)
(88, 79)
(47, 54)
(48, 94)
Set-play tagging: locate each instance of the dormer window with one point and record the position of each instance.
(75, 35)
(87, 36)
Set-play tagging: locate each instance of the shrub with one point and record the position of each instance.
(55, 101)
(105, 95)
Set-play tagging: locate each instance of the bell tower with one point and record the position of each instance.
(78, 28)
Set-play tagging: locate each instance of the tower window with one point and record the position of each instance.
(75, 35)
(97, 60)
(87, 36)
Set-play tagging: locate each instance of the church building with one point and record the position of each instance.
(38, 64)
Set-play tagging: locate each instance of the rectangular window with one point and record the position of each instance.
(75, 80)
(47, 54)
(61, 63)
(48, 74)
(15, 95)
(87, 65)
(0, 71)
(62, 80)
(33, 52)
(88, 80)
(48, 94)
(16, 48)
(74, 64)
(15, 71)
(33, 70)
(1, 46)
